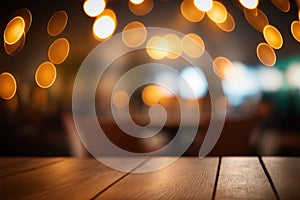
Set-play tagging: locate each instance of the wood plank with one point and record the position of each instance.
(285, 174)
(26, 165)
(243, 178)
(8, 161)
(187, 178)
(73, 178)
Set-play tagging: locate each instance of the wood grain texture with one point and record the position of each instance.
(72, 178)
(26, 165)
(8, 161)
(243, 178)
(285, 174)
(187, 178)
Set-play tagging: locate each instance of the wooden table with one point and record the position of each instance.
(187, 178)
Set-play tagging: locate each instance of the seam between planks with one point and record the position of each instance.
(119, 179)
(32, 169)
(268, 177)
(217, 178)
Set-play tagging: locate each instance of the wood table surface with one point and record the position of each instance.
(187, 178)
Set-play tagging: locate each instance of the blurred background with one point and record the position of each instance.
(254, 45)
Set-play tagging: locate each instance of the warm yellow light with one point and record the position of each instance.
(283, 5)
(104, 27)
(8, 86)
(190, 12)
(141, 9)
(45, 75)
(299, 14)
(174, 46)
(273, 36)
(13, 49)
(193, 45)
(14, 30)
(218, 12)
(57, 23)
(134, 34)
(266, 54)
(136, 1)
(157, 47)
(27, 17)
(93, 8)
(223, 68)
(203, 5)
(250, 4)
(256, 18)
(167, 98)
(59, 51)
(151, 95)
(295, 29)
(228, 25)
(121, 99)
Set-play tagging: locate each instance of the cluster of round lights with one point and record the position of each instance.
(14, 39)
(273, 39)
(195, 10)
(58, 51)
(105, 19)
(135, 34)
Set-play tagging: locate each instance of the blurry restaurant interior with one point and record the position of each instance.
(254, 45)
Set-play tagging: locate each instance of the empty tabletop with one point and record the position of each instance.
(186, 178)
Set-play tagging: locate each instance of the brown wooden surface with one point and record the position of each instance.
(243, 178)
(70, 179)
(285, 174)
(20, 165)
(187, 178)
(7, 161)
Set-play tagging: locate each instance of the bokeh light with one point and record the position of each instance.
(223, 68)
(45, 75)
(190, 12)
(218, 12)
(8, 86)
(105, 25)
(256, 18)
(174, 46)
(141, 9)
(283, 5)
(93, 8)
(27, 17)
(273, 37)
(57, 23)
(14, 30)
(136, 1)
(121, 99)
(193, 45)
(192, 83)
(293, 74)
(266, 54)
(250, 4)
(242, 86)
(15, 48)
(134, 34)
(270, 79)
(228, 25)
(203, 5)
(157, 47)
(59, 51)
(151, 95)
(295, 30)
